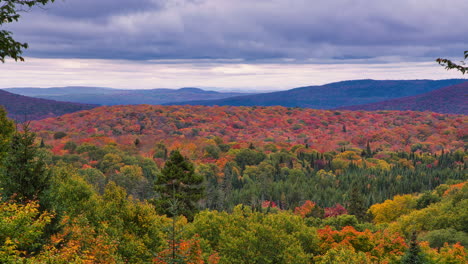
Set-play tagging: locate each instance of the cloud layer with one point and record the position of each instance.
(231, 75)
(251, 30)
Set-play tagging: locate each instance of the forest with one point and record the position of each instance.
(194, 184)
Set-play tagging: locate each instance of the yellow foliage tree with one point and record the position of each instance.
(390, 210)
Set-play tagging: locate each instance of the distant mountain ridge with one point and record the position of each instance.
(356, 94)
(55, 91)
(334, 95)
(24, 108)
(448, 100)
(110, 96)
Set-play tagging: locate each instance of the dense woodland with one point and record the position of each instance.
(191, 128)
(191, 184)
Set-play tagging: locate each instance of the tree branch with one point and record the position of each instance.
(448, 64)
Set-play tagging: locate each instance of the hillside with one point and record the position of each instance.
(450, 100)
(109, 96)
(321, 129)
(23, 108)
(335, 95)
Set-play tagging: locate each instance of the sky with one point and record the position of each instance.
(234, 44)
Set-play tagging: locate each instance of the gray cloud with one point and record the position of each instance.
(246, 29)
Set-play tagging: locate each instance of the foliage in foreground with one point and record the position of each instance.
(122, 230)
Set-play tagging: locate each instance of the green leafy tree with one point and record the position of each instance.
(343, 255)
(178, 181)
(133, 225)
(426, 199)
(252, 237)
(249, 157)
(9, 12)
(449, 65)
(21, 230)
(438, 238)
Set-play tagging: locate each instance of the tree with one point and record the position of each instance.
(9, 12)
(390, 210)
(414, 254)
(7, 128)
(22, 227)
(356, 204)
(448, 64)
(178, 181)
(249, 157)
(24, 174)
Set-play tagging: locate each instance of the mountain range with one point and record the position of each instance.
(334, 95)
(24, 108)
(109, 96)
(442, 96)
(448, 100)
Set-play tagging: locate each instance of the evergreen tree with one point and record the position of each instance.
(24, 175)
(137, 142)
(414, 254)
(179, 181)
(368, 150)
(357, 206)
(174, 237)
(42, 144)
(7, 128)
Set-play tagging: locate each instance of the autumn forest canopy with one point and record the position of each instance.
(196, 184)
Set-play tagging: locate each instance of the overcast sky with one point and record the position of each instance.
(235, 44)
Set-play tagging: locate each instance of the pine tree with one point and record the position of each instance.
(368, 150)
(356, 204)
(174, 240)
(414, 254)
(179, 181)
(42, 144)
(24, 175)
(7, 128)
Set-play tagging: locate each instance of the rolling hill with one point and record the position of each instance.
(334, 95)
(196, 126)
(109, 96)
(448, 100)
(24, 108)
